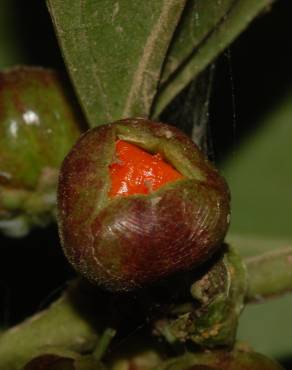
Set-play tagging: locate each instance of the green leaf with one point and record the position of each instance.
(261, 207)
(259, 174)
(114, 52)
(199, 19)
(236, 20)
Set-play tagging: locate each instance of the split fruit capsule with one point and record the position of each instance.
(137, 202)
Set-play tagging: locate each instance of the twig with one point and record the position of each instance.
(71, 322)
(67, 324)
(269, 275)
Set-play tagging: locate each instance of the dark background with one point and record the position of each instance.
(249, 78)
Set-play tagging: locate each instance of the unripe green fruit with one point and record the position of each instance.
(38, 126)
(124, 243)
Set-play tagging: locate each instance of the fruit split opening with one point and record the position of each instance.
(135, 171)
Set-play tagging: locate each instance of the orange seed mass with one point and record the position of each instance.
(136, 171)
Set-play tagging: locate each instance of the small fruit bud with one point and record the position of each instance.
(38, 126)
(166, 211)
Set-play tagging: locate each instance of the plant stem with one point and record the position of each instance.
(68, 324)
(76, 321)
(269, 275)
(103, 343)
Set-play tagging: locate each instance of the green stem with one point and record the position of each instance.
(70, 324)
(269, 274)
(104, 343)
(67, 324)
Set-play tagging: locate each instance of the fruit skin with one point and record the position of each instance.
(38, 126)
(128, 242)
(50, 362)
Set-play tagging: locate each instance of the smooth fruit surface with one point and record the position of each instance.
(38, 126)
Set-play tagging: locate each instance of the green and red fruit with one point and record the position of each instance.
(123, 240)
(38, 126)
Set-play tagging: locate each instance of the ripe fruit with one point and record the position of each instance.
(125, 242)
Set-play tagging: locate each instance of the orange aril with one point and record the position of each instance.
(136, 171)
